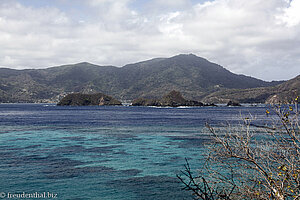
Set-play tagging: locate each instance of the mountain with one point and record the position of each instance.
(194, 76)
(250, 95)
(285, 92)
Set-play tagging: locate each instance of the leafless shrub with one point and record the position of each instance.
(251, 161)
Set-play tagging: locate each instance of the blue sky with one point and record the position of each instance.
(259, 38)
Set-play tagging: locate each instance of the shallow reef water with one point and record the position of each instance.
(104, 152)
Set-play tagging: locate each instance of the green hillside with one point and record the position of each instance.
(285, 92)
(193, 76)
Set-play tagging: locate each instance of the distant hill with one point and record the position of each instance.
(283, 93)
(286, 92)
(193, 76)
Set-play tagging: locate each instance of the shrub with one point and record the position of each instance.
(251, 161)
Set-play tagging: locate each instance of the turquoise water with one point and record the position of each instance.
(104, 152)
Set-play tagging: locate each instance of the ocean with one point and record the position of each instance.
(104, 152)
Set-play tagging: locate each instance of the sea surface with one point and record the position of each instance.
(104, 152)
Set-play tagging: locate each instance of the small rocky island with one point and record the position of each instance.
(172, 99)
(233, 103)
(79, 99)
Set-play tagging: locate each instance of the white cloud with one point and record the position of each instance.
(170, 3)
(291, 15)
(257, 37)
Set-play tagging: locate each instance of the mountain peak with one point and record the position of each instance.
(190, 57)
(84, 64)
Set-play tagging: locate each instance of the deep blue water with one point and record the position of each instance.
(104, 152)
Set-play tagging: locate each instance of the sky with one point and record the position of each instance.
(259, 38)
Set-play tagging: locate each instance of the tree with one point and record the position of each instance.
(251, 161)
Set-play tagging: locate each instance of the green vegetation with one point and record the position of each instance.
(282, 93)
(195, 77)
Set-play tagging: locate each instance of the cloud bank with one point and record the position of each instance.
(258, 37)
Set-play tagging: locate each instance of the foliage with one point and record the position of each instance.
(252, 161)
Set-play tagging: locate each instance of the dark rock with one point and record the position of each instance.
(193, 103)
(172, 99)
(210, 104)
(146, 102)
(79, 99)
(233, 103)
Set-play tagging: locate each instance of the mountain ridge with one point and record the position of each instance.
(194, 76)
